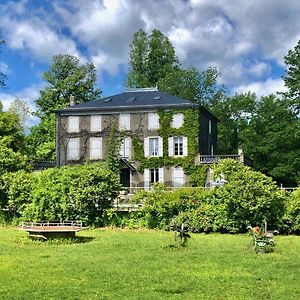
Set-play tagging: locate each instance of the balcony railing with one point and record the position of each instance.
(212, 159)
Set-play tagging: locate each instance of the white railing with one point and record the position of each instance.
(211, 159)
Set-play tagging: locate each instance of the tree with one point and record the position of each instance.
(292, 77)
(272, 140)
(151, 58)
(66, 77)
(21, 109)
(2, 76)
(192, 84)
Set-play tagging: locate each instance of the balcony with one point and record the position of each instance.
(212, 159)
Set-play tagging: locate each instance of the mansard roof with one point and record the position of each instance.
(134, 99)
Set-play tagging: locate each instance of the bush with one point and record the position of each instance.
(72, 193)
(291, 219)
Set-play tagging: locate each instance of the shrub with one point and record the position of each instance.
(291, 219)
(73, 193)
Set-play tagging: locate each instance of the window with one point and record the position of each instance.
(124, 122)
(73, 149)
(153, 146)
(178, 177)
(153, 121)
(95, 148)
(125, 149)
(177, 120)
(96, 123)
(152, 176)
(178, 146)
(73, 124)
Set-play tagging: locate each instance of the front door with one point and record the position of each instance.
(125, 177)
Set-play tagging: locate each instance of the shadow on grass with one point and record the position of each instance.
(55, 241)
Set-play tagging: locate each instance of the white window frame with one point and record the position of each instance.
(73, 149)
(125, 148)
(159, 174)
(73, 124)
(153, 121)
(96, 123)
(178, 181)
(124, 122)
(171, 144)
(178, 120)
(147, 146)
(95, 148)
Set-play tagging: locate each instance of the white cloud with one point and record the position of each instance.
(270, 86)
(4, 68)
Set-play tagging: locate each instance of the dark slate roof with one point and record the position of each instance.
(140, 99)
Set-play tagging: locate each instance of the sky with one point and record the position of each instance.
(245, 40)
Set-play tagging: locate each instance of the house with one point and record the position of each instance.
(163, 137)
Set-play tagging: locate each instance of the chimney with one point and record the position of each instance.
(72, 100)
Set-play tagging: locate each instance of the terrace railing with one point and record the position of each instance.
(212, 159)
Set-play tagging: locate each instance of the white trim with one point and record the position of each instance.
(177, 120)
(185, 146)
(178, 177)
(153, 121)
(171, 146)
(146, 147)
(147, 179)
(161, 175)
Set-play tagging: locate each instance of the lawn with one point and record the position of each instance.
(142, 264)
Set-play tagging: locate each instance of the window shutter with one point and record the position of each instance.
(177, 120)
(178, 177)
(171, 146)
(96, 123)
(146, 147)
(147, 179)
(160, 147)
(73, 124)
(161, 174)
(122, 148)
(127, 147)
(95, 147)
(73, 152)
(185, 146)
(124, 122)
(153, 121)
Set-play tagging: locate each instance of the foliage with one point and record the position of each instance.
(20, 108)
(40, 142)
(73, 193)
(272, 140)
(66, 77)
(247, 198)
(11, 133)
(191, 84)
(151, 58)
(291, 219)
(292, 77)
(2, 75)
(113, 150)
(20, 187)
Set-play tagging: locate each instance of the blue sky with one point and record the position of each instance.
(245, 40)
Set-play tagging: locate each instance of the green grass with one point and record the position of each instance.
(124, 264)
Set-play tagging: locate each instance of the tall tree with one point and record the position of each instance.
(21, 109)
(66, 77)
(272, 140)
(152, 57)
(292, 77)
(2, 75)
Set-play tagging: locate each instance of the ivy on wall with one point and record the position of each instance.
(190, 129)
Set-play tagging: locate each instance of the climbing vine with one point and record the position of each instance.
(190, 129)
